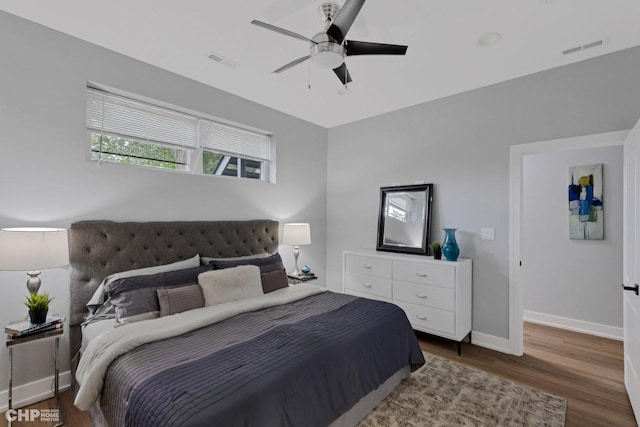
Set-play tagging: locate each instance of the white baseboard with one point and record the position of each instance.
(35, 391)
(581, 326)
(490, 341)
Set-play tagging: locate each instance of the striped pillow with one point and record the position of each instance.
(177, 300)
(274, 280)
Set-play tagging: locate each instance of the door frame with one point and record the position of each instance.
(516, 158)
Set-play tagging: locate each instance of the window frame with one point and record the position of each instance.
(194, 155)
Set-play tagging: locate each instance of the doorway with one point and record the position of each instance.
(516, 211)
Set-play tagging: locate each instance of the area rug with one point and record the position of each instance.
(447, 393)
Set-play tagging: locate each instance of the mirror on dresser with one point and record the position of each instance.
(404, 222)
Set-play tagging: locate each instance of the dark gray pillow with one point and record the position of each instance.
(267, 265)
(135, 298)
(182, 298)
(274, 280)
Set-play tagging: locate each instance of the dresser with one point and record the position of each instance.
(435, 294)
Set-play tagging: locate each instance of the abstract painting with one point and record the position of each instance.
(586, 219)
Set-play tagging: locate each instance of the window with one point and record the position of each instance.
(399, 207)
(129, 131)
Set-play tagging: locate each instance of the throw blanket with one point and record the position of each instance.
(302, 363)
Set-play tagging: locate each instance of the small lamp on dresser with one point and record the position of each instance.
(33, 249)
(296, 234)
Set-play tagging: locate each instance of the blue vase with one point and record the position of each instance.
(450, 248)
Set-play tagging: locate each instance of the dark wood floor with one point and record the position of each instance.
(585, 370)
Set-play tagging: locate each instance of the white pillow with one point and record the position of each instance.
(230, 284)
(98, 296)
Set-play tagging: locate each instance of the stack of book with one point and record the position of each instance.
(26, 328)
(303, 276)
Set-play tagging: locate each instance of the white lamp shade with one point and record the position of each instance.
(25, 249)
(296, 234)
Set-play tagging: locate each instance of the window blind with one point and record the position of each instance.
(232, 140)
(118, 115)
(113, 114)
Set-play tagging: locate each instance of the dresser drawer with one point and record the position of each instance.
(424, 295)
(423, 273)
(429, 319)
(369, 296)
(368, 265)
(371, 285)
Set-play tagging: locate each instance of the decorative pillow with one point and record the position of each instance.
(230, 284)
(204, 260)
(274, 280)
(98, 296)
(271, 263)
(135, 298)
(182, 298)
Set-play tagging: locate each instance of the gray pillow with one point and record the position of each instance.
(182, 298)
(135, 298)
(205, 260)
(98, 296)
(269, 264)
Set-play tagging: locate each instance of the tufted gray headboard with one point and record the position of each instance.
(100, 248)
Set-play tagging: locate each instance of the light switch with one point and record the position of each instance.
(488, 234)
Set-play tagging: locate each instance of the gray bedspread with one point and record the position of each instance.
(299, 364)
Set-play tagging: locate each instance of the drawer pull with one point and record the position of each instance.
(366, 285)
(421, 274)
(421, 317)
(368, 267)
(421, 296)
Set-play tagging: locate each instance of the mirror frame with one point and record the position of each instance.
(426, 230)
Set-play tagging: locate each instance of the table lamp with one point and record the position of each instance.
(296, 234)
(33, 249)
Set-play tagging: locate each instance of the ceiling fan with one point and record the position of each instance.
(329, 48)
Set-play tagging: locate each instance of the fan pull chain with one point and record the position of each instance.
(309, 84)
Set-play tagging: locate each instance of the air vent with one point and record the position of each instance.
(594, 44)
(583, 47)
(222, 60)
(572, 50)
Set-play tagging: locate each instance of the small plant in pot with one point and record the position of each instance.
(436, 248)
(38, 305)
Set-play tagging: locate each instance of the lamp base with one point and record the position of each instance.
(34, 282)
(296, 252)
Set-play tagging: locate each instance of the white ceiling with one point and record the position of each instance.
(443, 56)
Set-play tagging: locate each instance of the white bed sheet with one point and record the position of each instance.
(91, 330)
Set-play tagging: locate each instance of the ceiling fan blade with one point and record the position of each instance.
(366, 48)
(292, 64)
(344, 19)
(281, 31)
(343, 74)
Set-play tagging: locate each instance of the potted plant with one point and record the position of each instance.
(436, 247)
(38, 305)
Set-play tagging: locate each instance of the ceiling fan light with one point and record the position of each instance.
(328, 60)
(327, 55)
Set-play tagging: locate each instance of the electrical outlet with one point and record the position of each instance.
(488, 234)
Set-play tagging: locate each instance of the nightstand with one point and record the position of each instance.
(295, 280)
(50, 335)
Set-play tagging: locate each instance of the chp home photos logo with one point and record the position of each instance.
(42, 415)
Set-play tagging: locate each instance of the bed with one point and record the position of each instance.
(299, 355)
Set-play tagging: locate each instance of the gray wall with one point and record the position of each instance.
(577, 279)
(461, 144)
(45, 178)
